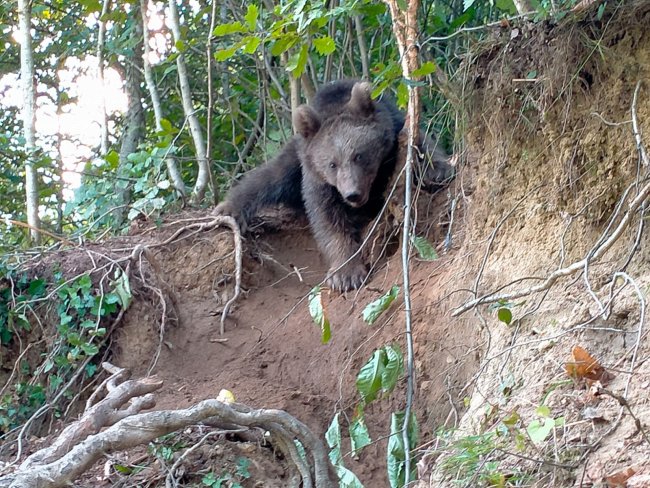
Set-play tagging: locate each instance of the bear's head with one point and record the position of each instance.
(347, 149)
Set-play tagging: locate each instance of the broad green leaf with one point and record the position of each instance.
(318, 315)
(226, 29)
(538, 430)
(89, 349)
(374, 309)
(85, 283)
(251, 17)
(359, 435)
(424, 248)
(123, 288)
(167, 126)
(180, 46)
(507, 6)
(347, 479)
(297, 62)
(223, 54)
(112, 158)
(543, 411)
(393, 369)
(36, 287)
(369, 377)
(396, 453)
(251, 43)
(402, 96)
(333, 438)
(504, 314)
(287, 41)
(424, 70)
(324, 45)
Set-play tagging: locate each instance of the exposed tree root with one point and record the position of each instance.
(81, 444)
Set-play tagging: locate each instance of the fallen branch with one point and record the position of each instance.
(81, 444)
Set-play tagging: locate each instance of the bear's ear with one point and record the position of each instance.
(360, 100)
(306, 121)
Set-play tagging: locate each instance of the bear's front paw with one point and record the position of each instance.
(226, 208)
(349, 277)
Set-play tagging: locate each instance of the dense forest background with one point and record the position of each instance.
(146, 107)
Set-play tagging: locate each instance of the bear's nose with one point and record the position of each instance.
(353, 197)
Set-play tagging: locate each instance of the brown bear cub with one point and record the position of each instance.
(335, 170)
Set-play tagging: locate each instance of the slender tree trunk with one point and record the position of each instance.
(28, 116)
(405, 29)
(188, 107)
(208, 146)
(363, 47)
(59, 163)
(134, 131)
(103, 143)
(171, 162)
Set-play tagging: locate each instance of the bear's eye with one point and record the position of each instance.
(357, 157)
(333, 164)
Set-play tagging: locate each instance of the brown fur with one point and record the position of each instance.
(336, 170)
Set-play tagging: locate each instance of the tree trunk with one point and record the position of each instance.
(103, 142)
(188, 107)
(171, 162)
(135, 123)
(28, 116)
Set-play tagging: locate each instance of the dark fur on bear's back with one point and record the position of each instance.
(335, 169)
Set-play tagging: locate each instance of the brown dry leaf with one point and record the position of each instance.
(619, 479)
(584, 366)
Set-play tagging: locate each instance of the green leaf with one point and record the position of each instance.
(531, 75)
(223, 54)
(601, 11)
(347, 479)
(36, 287)
(424, 248)
(122, 287)
(89, 349)
(318, 315)
(402, 95)
(112, 158)
(226, 29)
(85, 283)
(393, 369)
(359, 435)
(324, 45)
(251, 17)
(543, 411)
(333, 438)
(370, 375)
(396, 449)
(538, 431)
(424, 70)
(504, 314)
(374, 309)
(284, 43)
(507, 6)
(297, 62)
(180, 46)
(251, 43)
(167, 126)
